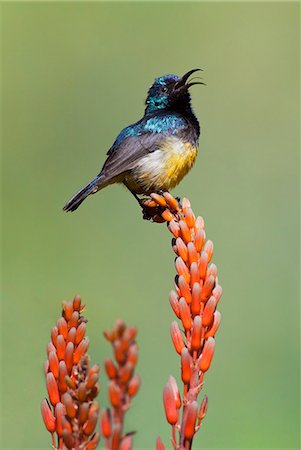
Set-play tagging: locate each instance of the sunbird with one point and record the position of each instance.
(155, 153)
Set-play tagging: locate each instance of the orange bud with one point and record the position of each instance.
(73, 322)
(176, 337)
(217, 292)
(52, 389)
(77, 303)
(186, 366)
(68, 310)
(105, 423)
(173, 384)
(199, 239)
(192, 253)
(59, 413)
(62, 327)
(196, 335)
(80, 350)
(90, 425)
(53, 363)
(185, 232)
(68, 439)
(115, 394)
(159, 199)
(182, 269)
(126, 443)
(184, 289)
(69, 405)
(134, 386)
(69, 382)
(199, 222)
(171, 201)
(167, 215)
(50, 348)
(81, 392)
(71, 335)
(110, 368)
(80, 332)
(116, 435)
(130, 333)
(60, 346)
(203, 408)
(209, 311)
(185, 314)
(212, 270)
(203, 263)
(93, 442)
(46, 367)
(174, 228)
(62, 374)
(91, 380)
(159, 444)
(194, 273)
(189, 419)
(54, 334)
(69, 356)
(215, 325)
(189, 216)
(132, 355)
(169, 402)
(182, 249)
(207, 354)
(207, 288)
(83, 412)
(196, 299)
(174, 303)
(48, 417)
(185, 203)
(125, 372)
(208, 248)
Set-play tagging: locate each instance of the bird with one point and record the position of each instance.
(155, 153)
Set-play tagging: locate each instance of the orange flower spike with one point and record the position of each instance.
(190, 416)
(80, 333)
(52, 389)
(185, 366)
(215, 325)
(207, 354)
(184, 288)
(196, 299)
(126, 443)
(209, 311)
(176, 337)
(134, 385)
(106, 423)
(185, 314)
(196, 335)
(53, 363)
(192, 253)
(48, 417)
(207, 288)
(182, 269)
(81, 350)
(159, 444)
(208, 248)
(169, 402)
(174, 303)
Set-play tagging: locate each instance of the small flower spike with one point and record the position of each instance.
(71, 414)
(123, 386)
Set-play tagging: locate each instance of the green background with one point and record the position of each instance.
(72, 76)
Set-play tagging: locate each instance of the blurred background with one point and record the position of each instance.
(73, 75)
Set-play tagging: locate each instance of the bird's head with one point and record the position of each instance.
(170, 92)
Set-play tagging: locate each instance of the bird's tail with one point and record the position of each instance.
(78, 198)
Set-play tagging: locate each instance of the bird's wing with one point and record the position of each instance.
(124, 156)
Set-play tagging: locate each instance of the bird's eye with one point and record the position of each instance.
(164, 89)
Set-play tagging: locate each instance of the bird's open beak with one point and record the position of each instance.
(181, 84)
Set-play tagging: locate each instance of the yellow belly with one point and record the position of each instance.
(164, 168)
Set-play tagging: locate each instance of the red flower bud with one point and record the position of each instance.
(203, 263)
(69, 356)
(170, 404)
(184, 288)
(176, 337)
(196, 299)
(53, 363)
(77, 303)
(185, 314)
(189, 419)
(52, 389)
(71, 335)
(208, 248)
(48, 417)
(182, 249)
(115, 394)
(215, 325)
(60, 346)
(126, 443)
(73, 322)
(192, 253)
(110, 368)
(69, 405)
(186, 366)
(174, 228)
(59, 413)
(80, 332)
(207, 354)
(80, 350)
(62, 327)
(199, 239)
(93, 442)
(105, 423)
(203, 408)
(194, 273)
(217, 292)
(159, 444)
(207, 288)
(174, 303)
(90, 425)
(185, 232)
(182, 269)
(209, 311)
(68, 310)
(196, 335)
